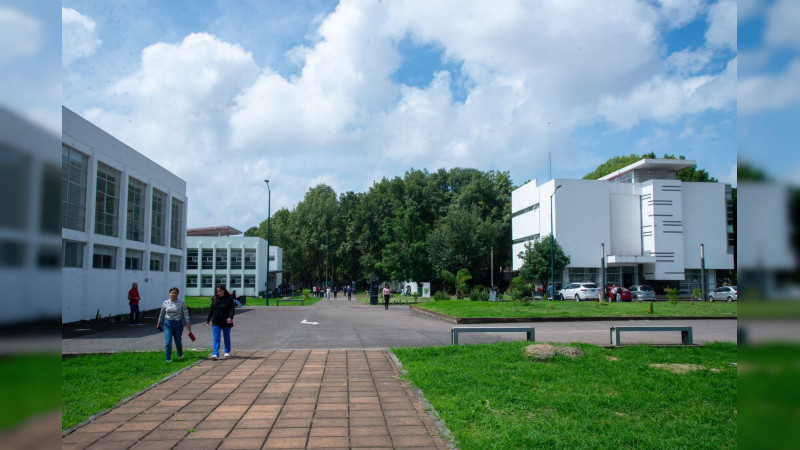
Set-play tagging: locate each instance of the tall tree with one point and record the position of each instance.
(536, 260)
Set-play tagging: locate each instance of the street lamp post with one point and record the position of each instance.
(269, 200)
(552, 238)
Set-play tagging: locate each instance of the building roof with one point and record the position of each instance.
(213, 231)
(653, 164)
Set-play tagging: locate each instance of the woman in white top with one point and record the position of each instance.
(387, 293)
(171, 320)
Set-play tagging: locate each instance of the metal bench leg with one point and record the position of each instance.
(686, 337)
(454, 337)
(531, 336)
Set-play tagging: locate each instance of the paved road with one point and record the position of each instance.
(339, 324)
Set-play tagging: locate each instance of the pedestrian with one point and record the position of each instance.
(387, 293)
(349, 293)
(171, 319)
(493, 294)
(328, 292)
(133, 302)
(220, 317)
(335, 291)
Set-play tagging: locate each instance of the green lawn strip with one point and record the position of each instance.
(93, 383)
(545, 309)
(493, 396)
(28, 387)
(769, 309)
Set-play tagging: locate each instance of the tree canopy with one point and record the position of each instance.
(536, 260)
(618, 162)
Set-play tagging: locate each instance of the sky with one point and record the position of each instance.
(228, 93)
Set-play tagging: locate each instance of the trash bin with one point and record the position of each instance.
(373, 290)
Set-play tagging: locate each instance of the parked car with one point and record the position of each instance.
(728, 293)
(581, 291)
(625, 297)
(642, 292)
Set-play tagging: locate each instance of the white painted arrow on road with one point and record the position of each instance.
(309, 323)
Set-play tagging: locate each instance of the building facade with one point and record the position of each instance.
(237, 262)
(648, 225)
(123, 220)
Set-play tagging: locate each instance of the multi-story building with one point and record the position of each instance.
(123, 220)
(216, 256)
(648, 225)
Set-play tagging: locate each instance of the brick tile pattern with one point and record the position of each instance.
(345, 399)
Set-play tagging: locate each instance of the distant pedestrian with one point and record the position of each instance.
(328, 292)
(220, 317)
(349, 293)
(387, 293)
(493, 294)
(335, 291)
(133, 302)
(171, 319)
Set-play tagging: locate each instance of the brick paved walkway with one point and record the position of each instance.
(271, 399)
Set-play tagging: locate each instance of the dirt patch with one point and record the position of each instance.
(679, 368)
(543, 352)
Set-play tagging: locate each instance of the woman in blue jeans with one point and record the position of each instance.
(221, 319)
(171, 320)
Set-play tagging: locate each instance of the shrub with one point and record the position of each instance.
(672, 294)
(306, 294)
(696, 293)
(650, 308)
(479, 294)
(441, 295)
(519, 290)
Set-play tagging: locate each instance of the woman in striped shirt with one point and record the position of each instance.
(171, 320)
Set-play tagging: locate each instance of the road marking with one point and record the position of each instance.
(309, 323)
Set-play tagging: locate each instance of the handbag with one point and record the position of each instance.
(191, 336)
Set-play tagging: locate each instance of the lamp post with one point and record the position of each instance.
(269, 200)
(552, 238)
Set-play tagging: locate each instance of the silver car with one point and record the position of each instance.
(727, 293)
(642, 292)
(581, 291)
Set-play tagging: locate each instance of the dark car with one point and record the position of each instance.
(625, 297)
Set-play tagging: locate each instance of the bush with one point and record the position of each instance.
(672, 294)
(519, 290)
(441, 295)
(479, 294)
(306, 294)
(650, 308)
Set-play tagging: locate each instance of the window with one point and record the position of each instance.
(730, 221)
(525, 210)
(135, 228)
(208, 258)
(191, 259)
(532, 237)
(236, 259)
(12, 254)
(72, 253)
(272, 257)
(48, 257)
(176, 230)
(249, 281)
(15, 173)
(191, 281)
(222, 258)
(250, 259)
(156, 262)
(205, 281)
(104, 257)
(158, 220)
(106, 216)
(174, 263)
(236, 281)
(221, 279)
(133, 259)
(578, 274)
(74, 178)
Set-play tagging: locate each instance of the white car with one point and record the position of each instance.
(581, 291)
(642, 292)
(728, 293)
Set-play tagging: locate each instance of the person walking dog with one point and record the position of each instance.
(171, 319)
(220, 317)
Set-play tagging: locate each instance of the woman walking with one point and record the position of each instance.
(221, 319)
(171, 320)
(387, 293)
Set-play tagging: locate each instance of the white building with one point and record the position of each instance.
(238, 262)
(123, 220)
(650, 223)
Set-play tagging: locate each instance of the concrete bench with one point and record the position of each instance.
(686, 332)
(289, 299)
(531, 331)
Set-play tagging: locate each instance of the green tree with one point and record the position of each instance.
(689, 174)
(536, 260)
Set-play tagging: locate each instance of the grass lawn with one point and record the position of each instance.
(468, 309)
(493, 396)
(28, 387)
(205, 302)
(93, 383)
(769, 309)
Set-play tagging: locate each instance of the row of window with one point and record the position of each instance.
(210, 258)
(74, 188)
(209, 281)
(105, 257)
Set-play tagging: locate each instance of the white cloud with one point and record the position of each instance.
(78, 36)
(688, 62)
(721, 30)
(20, 35)
(770, 92)
(782, 24)
(681, 12)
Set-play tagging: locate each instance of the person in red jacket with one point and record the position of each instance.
(133, 302)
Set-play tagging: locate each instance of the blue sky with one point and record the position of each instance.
(345, 93)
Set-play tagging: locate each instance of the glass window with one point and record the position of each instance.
(221, 279)
(104, 257)
(191, 259)
(174, 263)
(236, 281)
(106, 216)
(157, 222)
(578, 274)
(156, 262)
(191, 281)
(74, 178)
(206, 281)
(222, 258)
(133, 259)
(176, 231)
(135, 228)
(250, 259)
(249, 281)
(12, 254)
(208, 258)
(236, 259)
(72, 253)
(16, 201)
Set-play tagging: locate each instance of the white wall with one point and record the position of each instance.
(763, 227)
(582, 220)
(705, 220)
(625, 218)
